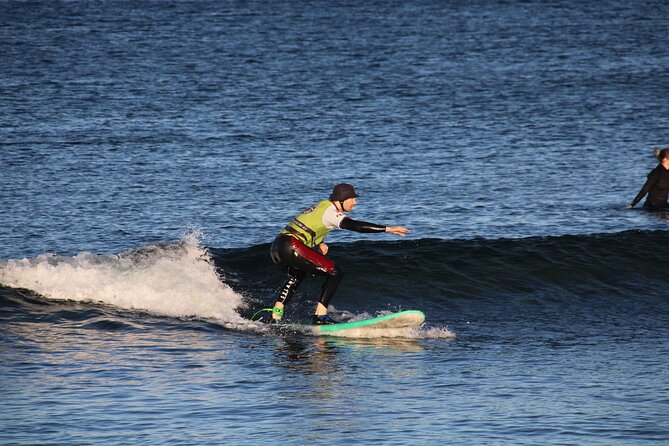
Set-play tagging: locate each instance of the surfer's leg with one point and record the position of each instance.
(299, 261)
(295, 277)
(328, 289)
(283, 255)
(313, 262)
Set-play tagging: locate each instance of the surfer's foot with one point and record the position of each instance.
(277, 313)
(323, 319)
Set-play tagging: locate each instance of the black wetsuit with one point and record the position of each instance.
(298, 261)
(657, 188)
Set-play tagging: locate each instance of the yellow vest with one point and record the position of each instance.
(308, 226)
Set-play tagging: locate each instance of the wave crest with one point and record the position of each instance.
(177, 279)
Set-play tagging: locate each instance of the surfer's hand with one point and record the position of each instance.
(398, 230)
(323, 248)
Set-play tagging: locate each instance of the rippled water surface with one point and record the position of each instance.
(122, 123)
(149, 152)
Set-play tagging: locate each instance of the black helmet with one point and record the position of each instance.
(343, 191)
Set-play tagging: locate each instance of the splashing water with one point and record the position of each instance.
(177, 280)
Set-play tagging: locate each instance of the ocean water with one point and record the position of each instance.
(151, 151)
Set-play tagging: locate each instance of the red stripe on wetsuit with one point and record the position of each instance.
(312, 256)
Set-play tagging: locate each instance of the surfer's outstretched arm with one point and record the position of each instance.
(363, 226)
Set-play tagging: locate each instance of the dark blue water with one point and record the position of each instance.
(151, 151)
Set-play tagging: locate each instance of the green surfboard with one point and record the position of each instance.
(402, 319)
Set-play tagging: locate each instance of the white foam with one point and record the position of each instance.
(177, 280)
(435, 333)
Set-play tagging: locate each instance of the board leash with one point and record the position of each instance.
(253, 318)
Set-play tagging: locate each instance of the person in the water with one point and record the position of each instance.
(299, 249)
(656, 185)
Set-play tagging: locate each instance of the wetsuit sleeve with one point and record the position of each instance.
(652, 178)
(360, 226)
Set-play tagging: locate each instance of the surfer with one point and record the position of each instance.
(299, 248)
(656, 186)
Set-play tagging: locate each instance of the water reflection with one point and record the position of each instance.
(86, 342)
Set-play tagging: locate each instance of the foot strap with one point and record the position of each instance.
(277, 312)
